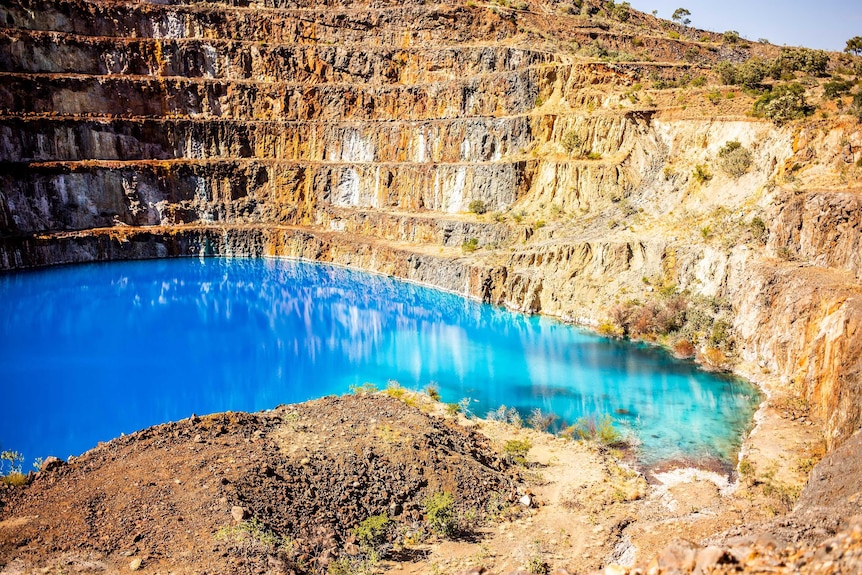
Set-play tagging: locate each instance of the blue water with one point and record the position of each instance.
(92, 351)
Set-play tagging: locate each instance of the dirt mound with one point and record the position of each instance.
(178, 496)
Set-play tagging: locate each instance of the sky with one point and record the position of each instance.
(824, 24)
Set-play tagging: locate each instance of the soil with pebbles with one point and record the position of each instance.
(175, 497)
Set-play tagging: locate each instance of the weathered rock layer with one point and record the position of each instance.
(361, 133)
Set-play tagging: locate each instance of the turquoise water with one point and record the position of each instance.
(92, 351)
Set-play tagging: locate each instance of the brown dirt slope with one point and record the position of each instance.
(169, 495)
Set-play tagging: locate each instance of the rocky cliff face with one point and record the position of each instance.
(361, 133)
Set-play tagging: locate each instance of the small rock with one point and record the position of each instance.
(51, 463)
(198, 438)
(135, 564)
(710, 557)
(304, 461)
(238, 513)
(679, 555)
(614, 569)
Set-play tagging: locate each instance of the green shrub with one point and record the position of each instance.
(433, 391)
(477, 207)
(783, 103)
(517, 449)
(837, 88)
(571, 141)
(394, 389)
(734, 159)
(469, 246)
(758, 230)
(730, 37)
(701, 173)
(364, 389)
(440, 514)
(594, 156)
(595, 428)
(856, 106)
(371, 533)
(800, 60)
(453, 409)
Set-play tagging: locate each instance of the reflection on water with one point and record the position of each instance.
(89, 352)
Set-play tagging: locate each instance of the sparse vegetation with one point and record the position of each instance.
(477, 207)
(536, 562)
(701, 174)
(371, 533)
(440, 514)
(10, 468)
(596, 428)
(540, 421)
(433, 391)
(571, 141)
(364, 389)
(734, 159)
(730, 37)
(505, 414)
(783, 103)
(517, 449)
(759, 230)
(470, 245)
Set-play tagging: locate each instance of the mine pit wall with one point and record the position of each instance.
(135, 131)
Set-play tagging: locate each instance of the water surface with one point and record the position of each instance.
(92, 351)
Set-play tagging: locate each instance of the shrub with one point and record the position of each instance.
(505, 414)
(800, 60)
(701, 173)
(394, 389)
(433, 392)
(594, 156)
(856, 106)
(727, 73)
(783, 103)
(517, 449)
(837, 88)
(621, 11)
(571, 141)
(758, 230)
(684, 349)
(734, 159)
(540, 421)
(610, 329)
(364, 389)
(715, 358)
(469, 246)
(440, 514)
(595, 428)
(453, 409)
(730, 37)
(371, 533)
(477, 207)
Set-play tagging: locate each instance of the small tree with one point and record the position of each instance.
(854, 45)
(681, 15)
